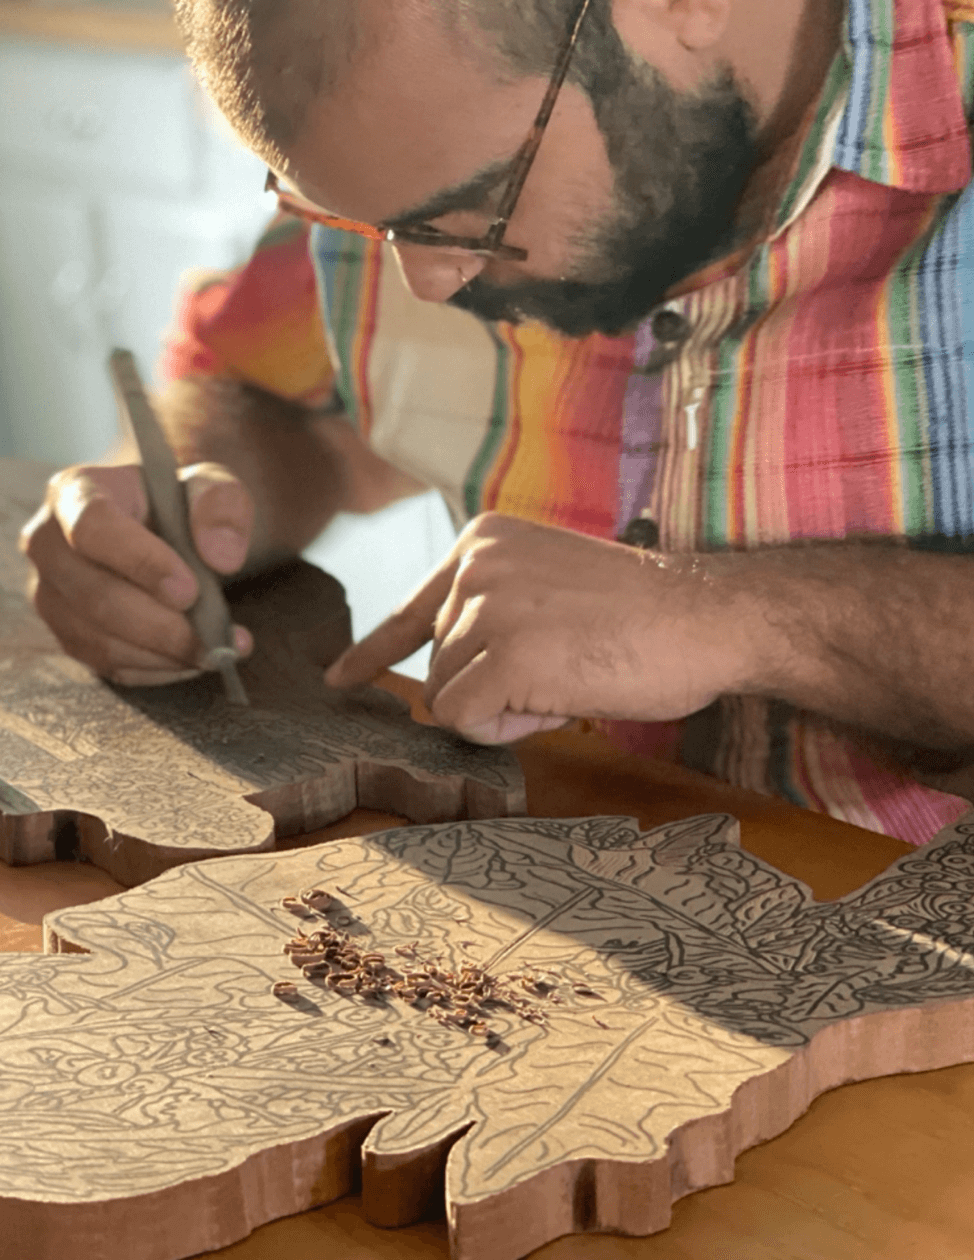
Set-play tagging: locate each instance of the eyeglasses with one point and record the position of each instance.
(490, 245)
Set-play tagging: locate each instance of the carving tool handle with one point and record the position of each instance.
(210, 615)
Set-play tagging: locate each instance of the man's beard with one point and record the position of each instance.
(680, 164)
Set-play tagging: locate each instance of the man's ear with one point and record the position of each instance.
(691, 25)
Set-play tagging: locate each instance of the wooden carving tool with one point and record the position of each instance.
(210, 615)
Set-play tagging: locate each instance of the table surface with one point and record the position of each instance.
(882, 1170)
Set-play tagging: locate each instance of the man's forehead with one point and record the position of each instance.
(419, 121)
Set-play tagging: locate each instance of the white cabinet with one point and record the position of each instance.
(115, 177)
(56, 402)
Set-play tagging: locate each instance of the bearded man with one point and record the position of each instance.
(672, 300)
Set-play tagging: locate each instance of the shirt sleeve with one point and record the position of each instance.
(260, 323)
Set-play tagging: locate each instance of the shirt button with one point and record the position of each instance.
(669, 327)
(640, 532)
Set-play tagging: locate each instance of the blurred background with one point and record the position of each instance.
(116, 176)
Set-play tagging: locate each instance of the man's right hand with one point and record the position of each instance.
(114, 594)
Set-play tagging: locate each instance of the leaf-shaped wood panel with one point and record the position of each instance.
(144, 779)
(158, 1100)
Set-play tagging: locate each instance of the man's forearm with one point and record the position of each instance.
(873, 635)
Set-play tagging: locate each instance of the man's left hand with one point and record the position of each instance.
(533, 625)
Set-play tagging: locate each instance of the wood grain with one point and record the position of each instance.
(141, 779)
(727, 1000)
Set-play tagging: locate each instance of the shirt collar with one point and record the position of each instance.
(903, 123)
(891, 111)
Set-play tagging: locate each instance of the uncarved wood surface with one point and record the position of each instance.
(705, 1000)
(157, 776)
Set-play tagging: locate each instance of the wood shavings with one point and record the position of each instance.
(463, 999)
(315, 898)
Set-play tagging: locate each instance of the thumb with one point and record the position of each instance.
(221, 515)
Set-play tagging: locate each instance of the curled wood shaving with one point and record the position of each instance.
(463, 999)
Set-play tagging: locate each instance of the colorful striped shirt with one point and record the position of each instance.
(822, 390)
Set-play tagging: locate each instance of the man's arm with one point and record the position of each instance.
(870, 634)
(265, 476)
(531, 624)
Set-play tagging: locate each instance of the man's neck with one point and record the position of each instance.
(816, 40)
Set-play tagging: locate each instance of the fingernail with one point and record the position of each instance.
(243, 640)
(223, 548)
(179, 590)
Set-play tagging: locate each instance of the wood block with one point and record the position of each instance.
(139, 780)
(157, 1100)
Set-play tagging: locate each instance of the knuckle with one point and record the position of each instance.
(467, 581)
(478, 572)
(494, 527)
(206, 472)
(65, 478)
(146, 572)
(74, 483)
(82, 531)
(82, 489)
(487, 524)
(214, 482)
(457, 715)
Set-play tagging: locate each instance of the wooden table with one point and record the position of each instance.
(877, 1171)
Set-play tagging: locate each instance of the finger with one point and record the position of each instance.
(94, 513)
(508, 727)
(397, 637)
(464, 640)
(221, 515)
(474, 696)
(106, 654)
(114, 607)
(475, 702)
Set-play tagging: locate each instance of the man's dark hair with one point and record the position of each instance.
(264, 61)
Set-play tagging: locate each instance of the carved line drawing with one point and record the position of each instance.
(156, 777)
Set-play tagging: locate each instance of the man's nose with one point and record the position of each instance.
(434, 275)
